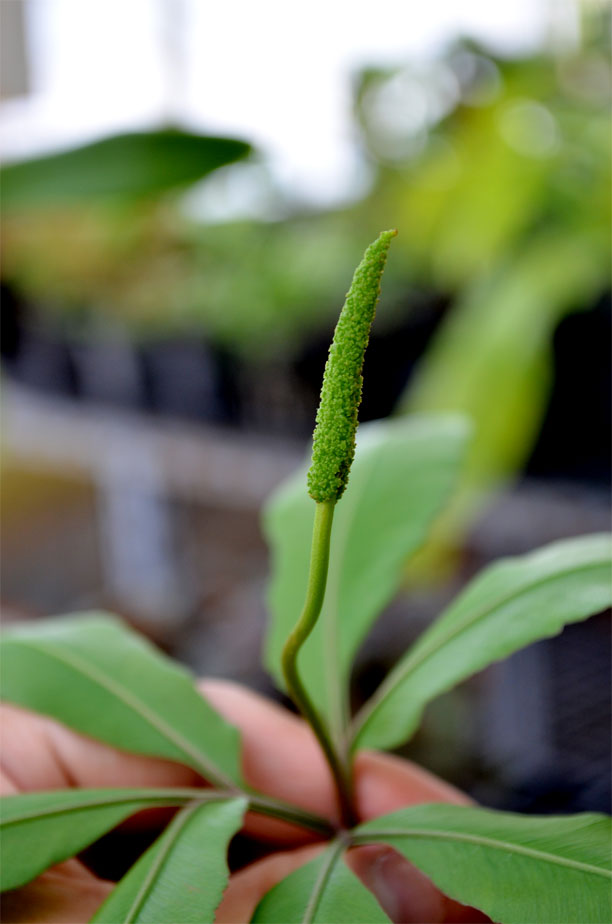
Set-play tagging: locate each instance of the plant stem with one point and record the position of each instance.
(258, 803)
(315, 593)
(263, 805)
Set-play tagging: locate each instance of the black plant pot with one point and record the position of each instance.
(188, 379)
(42, 362)
(391, 357)
(109, 371)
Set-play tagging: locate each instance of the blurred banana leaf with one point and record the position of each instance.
(121, 167)
(492, 358)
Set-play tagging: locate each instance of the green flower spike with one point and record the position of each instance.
(334, 435)
(332, 456)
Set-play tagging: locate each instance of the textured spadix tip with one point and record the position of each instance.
(334, 436)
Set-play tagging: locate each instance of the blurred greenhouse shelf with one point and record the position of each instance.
(124, 478)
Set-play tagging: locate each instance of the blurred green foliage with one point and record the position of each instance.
(476, 159)
(497, 175)
(255, 287)
(508, 202)
(509, 208)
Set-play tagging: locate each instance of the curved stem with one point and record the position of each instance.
(174, 796)
(261, 804)
(264, 805)
(315, 593)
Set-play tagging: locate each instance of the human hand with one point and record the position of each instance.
(280, 758)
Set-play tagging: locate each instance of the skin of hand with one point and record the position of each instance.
(280, 758)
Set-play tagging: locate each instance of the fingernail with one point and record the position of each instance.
(404, 892)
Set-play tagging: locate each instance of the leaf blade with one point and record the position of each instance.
(564, 582)
(320, 891)
(103, 680)
(514, 868)
(167, 882)
(403, 470)
(117, 168)
(43, 828)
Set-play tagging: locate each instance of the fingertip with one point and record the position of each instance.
(247, 887)
(385, 783)
(280, 755)
(406, 894)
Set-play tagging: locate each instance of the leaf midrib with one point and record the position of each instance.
(169, 797)
(321, 883)
(480, 841)
(99, 798)
(170, 838)
(335, 680)
(394, 679)
(209, 770)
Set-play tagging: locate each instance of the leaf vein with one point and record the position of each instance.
(335, 679)
(209, 770)
(321, 884)
(170, 837)
(172, 797)
(395, 679)
(482, 841)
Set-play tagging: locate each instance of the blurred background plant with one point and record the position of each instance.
(169, 295)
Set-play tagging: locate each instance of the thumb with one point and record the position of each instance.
(404, 892)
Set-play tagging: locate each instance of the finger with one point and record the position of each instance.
(246, 888)
(66, 894)
(385, 783)
(280, 756)
(39, 753)
(404, 892)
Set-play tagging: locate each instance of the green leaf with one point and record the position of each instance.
(43, 828)
(119, 167)
(510, 604)
(515, 868)
(96, 676)
(402, 473)
(321, 891)
(181, 877)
